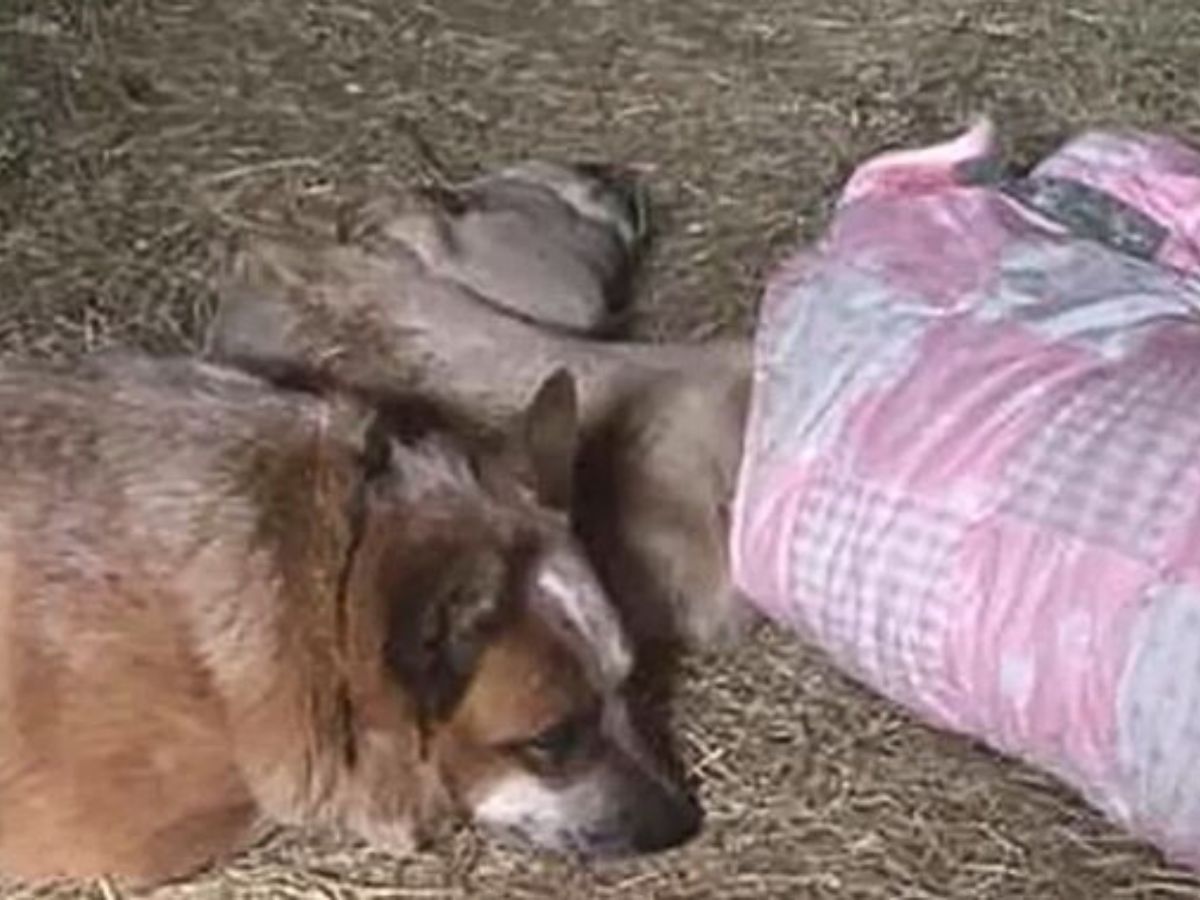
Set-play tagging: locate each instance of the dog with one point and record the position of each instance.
(474, 295)
(228, 600)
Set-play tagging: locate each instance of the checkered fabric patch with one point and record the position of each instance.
(876, 603)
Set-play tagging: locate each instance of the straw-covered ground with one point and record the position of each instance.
(130, 129)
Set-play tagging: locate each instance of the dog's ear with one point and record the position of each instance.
(547, 436)
(438, 623)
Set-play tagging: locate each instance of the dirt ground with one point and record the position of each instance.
(129, 129)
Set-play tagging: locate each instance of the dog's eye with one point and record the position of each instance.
(560, 743)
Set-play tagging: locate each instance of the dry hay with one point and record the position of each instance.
(131, 129)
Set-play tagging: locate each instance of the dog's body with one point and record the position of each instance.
(411, 299)
(223, 602)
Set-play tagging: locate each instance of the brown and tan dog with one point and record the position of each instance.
(475, 299)
(224, 600)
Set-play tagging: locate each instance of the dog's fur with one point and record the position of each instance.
(223, 601)
(412, 295)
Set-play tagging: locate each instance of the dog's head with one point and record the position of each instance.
(497, 644)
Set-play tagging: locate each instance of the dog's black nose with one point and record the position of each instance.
(672, 821)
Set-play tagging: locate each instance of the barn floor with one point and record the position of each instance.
(130, 130)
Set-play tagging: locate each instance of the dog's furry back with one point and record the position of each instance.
(133, 500)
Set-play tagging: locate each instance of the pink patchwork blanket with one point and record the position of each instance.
(972, 468)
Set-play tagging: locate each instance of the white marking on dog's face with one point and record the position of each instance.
(572, 601)
(528, 807)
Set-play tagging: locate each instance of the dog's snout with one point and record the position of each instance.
(618, 809)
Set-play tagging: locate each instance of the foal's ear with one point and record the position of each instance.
(547, 437)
